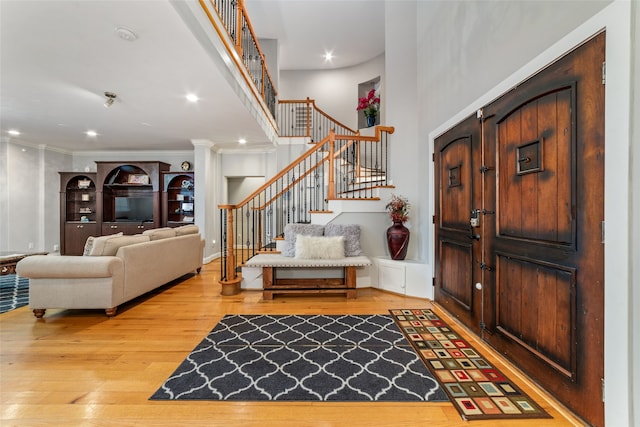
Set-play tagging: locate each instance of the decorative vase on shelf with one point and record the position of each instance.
(398, 240)
(371, 120)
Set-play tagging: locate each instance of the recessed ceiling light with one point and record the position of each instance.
(192, 97)
(242, 141)
(14, 132)
(91, 133)
(328, 56)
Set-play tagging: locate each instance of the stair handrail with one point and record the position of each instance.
(237, 25)
(317, 122)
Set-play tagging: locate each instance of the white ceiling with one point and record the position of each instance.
(57, 58)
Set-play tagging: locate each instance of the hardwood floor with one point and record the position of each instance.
(80, 368)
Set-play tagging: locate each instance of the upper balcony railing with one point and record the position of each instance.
(234, 17)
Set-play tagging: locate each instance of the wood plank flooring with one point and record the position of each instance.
(80, 368)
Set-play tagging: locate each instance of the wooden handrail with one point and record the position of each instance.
(315, 107)
(282, 173)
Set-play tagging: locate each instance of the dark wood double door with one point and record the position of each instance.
(519, 211)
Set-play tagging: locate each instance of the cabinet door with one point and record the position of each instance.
(75, 236)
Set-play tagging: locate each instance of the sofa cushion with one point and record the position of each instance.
(351, 233)
(293, 230)
(319, 247)
(160, 233)
(95, 245)
(111, 246)
(187, 229)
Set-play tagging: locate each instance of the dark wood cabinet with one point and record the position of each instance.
(177, 198)
(78, 211)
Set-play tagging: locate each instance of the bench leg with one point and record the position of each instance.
(350, 282)
(267, 282)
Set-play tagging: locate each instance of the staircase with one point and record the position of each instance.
(336, 171)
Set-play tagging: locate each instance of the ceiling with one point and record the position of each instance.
(57, 58)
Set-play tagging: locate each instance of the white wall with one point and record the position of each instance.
(30, 213)
(335, 91)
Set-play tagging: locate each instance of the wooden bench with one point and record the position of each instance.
(272, 284)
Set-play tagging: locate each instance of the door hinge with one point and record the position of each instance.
(604, 72)
(480, 114)
(433, 219)
(602, 388)
(433, 157)
(602, 231)
(433, 282)
(485, 267)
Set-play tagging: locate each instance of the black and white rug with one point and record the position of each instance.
(14, 292)
(303, 358)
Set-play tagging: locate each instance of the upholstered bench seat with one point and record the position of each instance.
(272, 264)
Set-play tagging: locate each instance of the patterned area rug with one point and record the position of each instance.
(14, 292)
(477, 389)
(303, 358)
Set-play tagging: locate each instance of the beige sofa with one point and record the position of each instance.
(114, 269)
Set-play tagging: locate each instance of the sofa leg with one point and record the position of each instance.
(198, 270)
(39, 312)
(111, 311)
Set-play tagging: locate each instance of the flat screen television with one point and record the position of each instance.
(134, 209)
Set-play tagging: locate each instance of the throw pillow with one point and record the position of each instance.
(293, 230)
(94, 246)
(314, 247)
(351, 233)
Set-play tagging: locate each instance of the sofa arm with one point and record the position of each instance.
(43, 266)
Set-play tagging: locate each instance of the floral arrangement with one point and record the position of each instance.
(369, 104)
(398, 208)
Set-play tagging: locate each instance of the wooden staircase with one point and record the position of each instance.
(339, 169)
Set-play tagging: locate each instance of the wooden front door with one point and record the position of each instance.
(540, 256)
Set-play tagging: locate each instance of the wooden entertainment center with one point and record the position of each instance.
(127, 197)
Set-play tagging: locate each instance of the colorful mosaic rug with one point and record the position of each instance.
(477, 389)
(14, 292)
(303, 358)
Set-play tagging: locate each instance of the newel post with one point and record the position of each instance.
(231, 285)
(331, 191)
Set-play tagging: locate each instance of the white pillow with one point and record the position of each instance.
(319, 247)
(292, 230)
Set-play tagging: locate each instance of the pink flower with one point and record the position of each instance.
(369, 104)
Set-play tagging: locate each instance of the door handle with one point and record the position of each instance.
(474, 236)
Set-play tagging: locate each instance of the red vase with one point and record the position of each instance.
(398, 240)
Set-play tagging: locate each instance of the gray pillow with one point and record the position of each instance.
(292, 230)
(351, 233)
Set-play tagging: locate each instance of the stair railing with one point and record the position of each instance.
(302, 118)
(337, 167)
(235, 19)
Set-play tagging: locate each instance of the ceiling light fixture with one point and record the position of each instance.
(192, 97)
(328, 56)
(91, 133)
(242, 141)
(14, 132)
(111, 98)
(126, 34)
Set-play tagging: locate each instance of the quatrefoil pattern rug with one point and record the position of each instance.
(303, 358)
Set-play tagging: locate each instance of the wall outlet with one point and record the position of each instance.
(56, 248)
(30, 245)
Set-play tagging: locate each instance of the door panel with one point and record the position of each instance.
(456, 157)
(534, 168)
